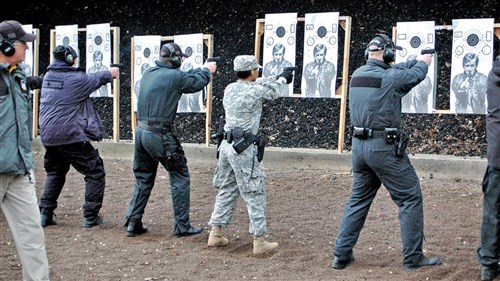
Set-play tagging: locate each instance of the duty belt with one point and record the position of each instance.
(363, 133)
(159, 129)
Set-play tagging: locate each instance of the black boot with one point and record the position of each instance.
(423, 262)
(193, 230)
(47, 217)
(489, 272)
(135, 228)
(92, 221)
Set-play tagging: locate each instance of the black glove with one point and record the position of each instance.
(35, 82)
(288, 75)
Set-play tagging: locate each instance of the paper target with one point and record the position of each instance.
(413, 37)
(191, 45)
(98, 56)
(28, 60)
(146, 51)
(471, 61)
(319, 75)
(68, 35)
(279, 48)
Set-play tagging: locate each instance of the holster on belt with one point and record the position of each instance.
(219, 135)
(401, 144)
(261, 145)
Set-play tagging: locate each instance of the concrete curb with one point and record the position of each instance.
(427, 166)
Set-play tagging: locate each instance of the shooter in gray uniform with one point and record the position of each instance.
(378, 155)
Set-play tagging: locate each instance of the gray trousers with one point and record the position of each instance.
(374, 163)
(150, 150)
(18, 203)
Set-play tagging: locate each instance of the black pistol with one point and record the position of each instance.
(217, 60)
(290, 69)
(119, 65)
(427, 51)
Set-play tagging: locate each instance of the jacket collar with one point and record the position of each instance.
(163, 64)
(379, 63)
(62, 66)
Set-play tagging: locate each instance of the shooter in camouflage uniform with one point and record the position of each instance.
(242, 173)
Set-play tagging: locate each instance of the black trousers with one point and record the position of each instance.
(86, 160)
(488, 252)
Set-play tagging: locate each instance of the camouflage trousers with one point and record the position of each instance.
(235, 175)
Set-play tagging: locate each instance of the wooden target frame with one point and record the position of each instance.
(115, 31)
(496, 30)
(341, 92)
(36, 93)
(208, 40)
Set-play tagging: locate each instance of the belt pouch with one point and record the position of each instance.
(359, 133)
(390, 134)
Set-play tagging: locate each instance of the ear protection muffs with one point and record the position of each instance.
(69, 56)
(65, 53)
(7, 47)
(389, 49)
(175, 56)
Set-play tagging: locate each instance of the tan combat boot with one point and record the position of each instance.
(261, 246)
(215, 239)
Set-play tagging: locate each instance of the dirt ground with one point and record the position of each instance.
(304, 209)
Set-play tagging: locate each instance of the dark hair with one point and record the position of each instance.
(470, 57)
(279, 47)
(97, 54)
(318, 48)
(243, 74)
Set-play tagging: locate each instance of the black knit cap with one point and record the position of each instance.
(61, 51)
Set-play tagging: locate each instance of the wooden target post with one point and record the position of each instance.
(341, 92)
(36, 93)
(115, 31)
(496, 28)
(209, 42)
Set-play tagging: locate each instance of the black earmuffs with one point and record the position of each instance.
(7, 46)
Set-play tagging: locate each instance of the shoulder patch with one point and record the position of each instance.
(366, 82)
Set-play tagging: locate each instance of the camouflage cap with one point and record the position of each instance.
(245, 63)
